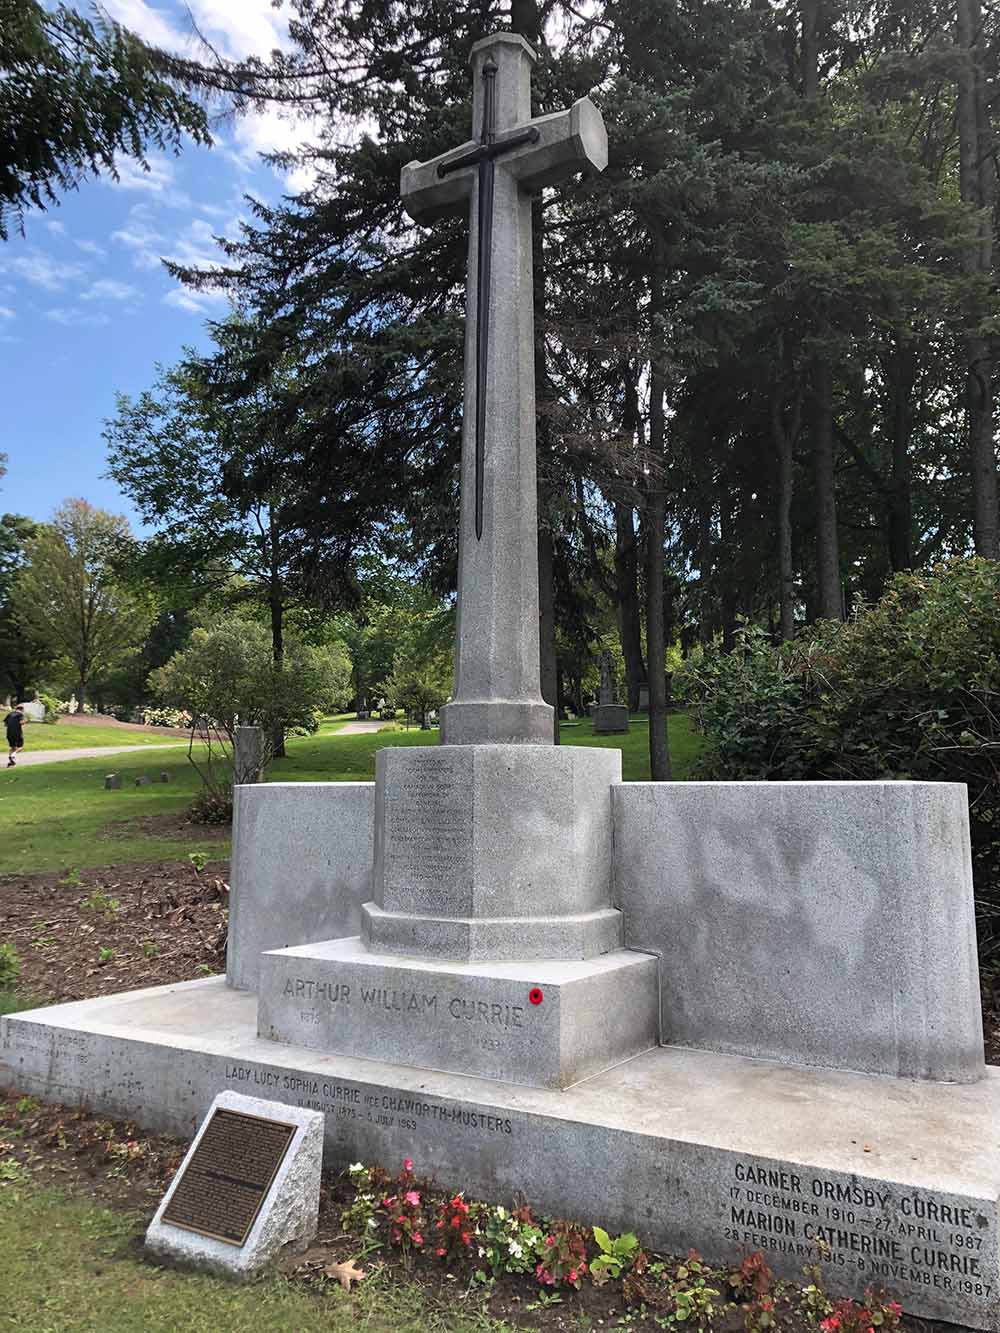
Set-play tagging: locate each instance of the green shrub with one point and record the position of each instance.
(910, 688)
(212, 806)
(53, 707)
(10, 966)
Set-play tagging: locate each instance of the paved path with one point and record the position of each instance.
(29, 757)
(360, 728)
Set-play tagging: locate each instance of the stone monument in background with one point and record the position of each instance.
(471, 961)
(609, 717)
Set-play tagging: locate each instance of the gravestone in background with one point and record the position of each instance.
(609, 717)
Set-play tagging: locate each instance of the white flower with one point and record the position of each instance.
(372, 1224)
(516, 1249)
(353, 1170)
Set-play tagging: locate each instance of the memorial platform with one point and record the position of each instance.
(899, 1178)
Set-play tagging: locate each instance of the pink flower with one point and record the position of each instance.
(440, 1252)
(550, 1240)
(408, 1164)
(389, 1201)
(413, 1197)
(572, 1275)
(417, 1238)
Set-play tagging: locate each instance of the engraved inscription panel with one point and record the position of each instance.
(865, 1232)
(428, 827)
(228, 1176)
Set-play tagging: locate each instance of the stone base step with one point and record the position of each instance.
(545, 1024)
(480, 939)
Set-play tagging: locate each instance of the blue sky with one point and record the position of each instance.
(86, 306)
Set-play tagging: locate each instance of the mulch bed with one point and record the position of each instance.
(114, 929)
(116, 1164)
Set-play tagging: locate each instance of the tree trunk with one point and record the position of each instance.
(627, 597)
(977, 182)
(81, 695)
(828, 588)
(900, 499)
(278, 657)
(547, 625)
(726, 574)
(783, 437)
(655, 522)
(809, 49)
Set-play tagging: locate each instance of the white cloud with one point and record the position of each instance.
(71, 316)
(149, 23)
(139, 236)
(236, 29)
(109, 289)
(90, 247)
(57, 228)
(157, 178)
(195, 303)
(6, 312)
(42, 269)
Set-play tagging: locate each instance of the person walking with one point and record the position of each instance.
(14, 726)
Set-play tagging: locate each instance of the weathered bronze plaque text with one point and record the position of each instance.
(227, 1179)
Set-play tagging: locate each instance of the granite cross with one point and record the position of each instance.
(497, 696)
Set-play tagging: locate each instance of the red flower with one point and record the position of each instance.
(408, 1164)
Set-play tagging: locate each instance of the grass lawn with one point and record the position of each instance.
(68, 735)
(66, 1264)
(54, 816)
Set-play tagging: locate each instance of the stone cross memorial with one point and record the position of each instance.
(492, 176)
(736, 1017)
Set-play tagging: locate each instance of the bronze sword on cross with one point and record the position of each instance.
(494, 174)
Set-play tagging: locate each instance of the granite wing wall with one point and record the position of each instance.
(814, 923)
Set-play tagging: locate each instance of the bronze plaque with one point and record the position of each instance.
(230, 1172)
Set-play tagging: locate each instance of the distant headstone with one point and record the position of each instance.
(143, 781)
(248, 1190)
(113, 782)
(607, 694)
(248, 755)
(164, 777)
(609, 717)
(644, 697)
(34, 711)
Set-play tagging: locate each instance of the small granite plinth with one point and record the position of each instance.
(544, 1024)
(886, 1182)
(493, 851)
(610, 719)
(289, 1212)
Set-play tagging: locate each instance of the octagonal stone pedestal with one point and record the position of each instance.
(493, 852)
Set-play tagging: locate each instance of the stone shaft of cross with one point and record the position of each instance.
(497, 695)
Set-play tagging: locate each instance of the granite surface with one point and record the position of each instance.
(301, 867)
(820, 923)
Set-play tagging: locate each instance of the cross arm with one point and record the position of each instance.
(568, 142)
(427, 195)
